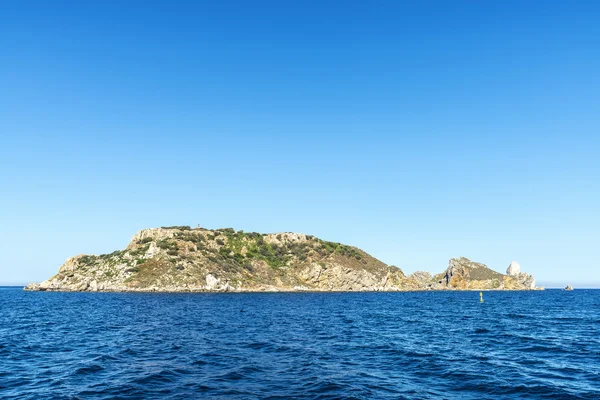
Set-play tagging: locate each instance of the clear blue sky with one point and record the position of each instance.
(418, 131)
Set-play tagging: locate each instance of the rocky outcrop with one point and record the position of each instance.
(513, 269)
(179, 259)
(569, 287)
(464, 274)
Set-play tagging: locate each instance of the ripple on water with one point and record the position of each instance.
(90, 369)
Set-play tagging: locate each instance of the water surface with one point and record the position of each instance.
(303, 345)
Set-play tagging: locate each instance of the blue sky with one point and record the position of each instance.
(417, 131)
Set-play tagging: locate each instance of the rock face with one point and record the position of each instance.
(181, 259)
(421, 277)
(527, 280)
(513, 269)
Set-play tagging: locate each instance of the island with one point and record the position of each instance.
(182, 259)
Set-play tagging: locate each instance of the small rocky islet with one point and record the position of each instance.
(182, 259)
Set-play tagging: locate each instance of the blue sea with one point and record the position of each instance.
(424, 345)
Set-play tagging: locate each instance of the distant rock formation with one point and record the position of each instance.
(569, 287)
(513, 269)
(464, 274)
(181, 259)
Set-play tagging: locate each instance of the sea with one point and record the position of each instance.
(419, 345)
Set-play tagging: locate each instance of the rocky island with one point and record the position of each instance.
(182, 259)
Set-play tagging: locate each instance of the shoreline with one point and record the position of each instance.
(284, 290)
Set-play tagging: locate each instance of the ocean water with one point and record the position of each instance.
(542, 345)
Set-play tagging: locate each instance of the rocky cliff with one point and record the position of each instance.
(178, 259)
